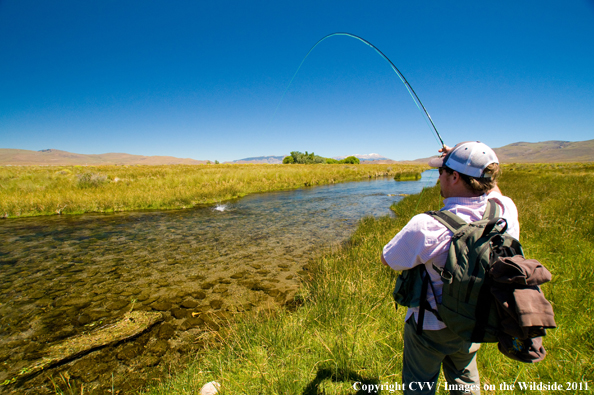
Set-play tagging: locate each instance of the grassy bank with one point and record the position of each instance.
(50, 190)
(347, 331)
(408, 176)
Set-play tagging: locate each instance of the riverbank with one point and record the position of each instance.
(346, 330)
(50, 190)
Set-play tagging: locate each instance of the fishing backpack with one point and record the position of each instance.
(467, 306)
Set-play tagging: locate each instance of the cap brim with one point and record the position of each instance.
(436, 162)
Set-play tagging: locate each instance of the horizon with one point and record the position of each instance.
(205, 81)
(363, 157)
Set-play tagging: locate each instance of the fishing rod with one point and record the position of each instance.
(411, 91)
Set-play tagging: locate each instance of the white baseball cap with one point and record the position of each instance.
(470, 158)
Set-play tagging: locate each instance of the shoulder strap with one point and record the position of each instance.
(448, 219)
(453, 222)
(492, 210)
(424, 303)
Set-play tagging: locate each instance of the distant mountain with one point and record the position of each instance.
(261, 159)
(365, 157)
(542, 152)
(279, 159)
(547, 152)
(63, 158)
(522, 152)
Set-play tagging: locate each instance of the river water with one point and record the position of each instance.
(66, 275)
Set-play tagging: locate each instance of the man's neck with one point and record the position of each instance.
(461, 191)
(467, 194)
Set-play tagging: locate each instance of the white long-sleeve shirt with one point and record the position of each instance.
(425, 241)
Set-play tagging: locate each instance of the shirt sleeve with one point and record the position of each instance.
(417, 243)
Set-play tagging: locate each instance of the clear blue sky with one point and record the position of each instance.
(202, 79)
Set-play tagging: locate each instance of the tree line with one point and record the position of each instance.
(297, 157)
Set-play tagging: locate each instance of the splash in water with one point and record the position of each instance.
(221, 207)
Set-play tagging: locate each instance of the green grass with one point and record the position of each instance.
(408, 176)
(50, 190)
(347, 330)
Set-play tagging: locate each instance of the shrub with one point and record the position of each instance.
(91, 180)
(353, 160)
(307, 159)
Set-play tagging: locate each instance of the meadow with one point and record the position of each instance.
(51, 190)
(346, 330)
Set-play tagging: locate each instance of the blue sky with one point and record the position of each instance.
(203, 79)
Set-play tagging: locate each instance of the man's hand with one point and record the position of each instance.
(445, 150)
(383, 260)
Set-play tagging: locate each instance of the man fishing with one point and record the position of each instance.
(468, 179)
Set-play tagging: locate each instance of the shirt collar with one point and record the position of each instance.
(464, 201)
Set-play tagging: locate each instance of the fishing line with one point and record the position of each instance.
(409, 88)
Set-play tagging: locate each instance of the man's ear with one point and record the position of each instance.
(455, 176)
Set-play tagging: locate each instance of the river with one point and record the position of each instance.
(63, 276)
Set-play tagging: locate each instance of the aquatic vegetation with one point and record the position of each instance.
(408, 176)
(50, 190)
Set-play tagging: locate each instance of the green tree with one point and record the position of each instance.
(351, 159)
(307, 158)
(311, 158)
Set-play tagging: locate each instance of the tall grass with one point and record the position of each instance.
(556, 207)
(47, 190)
(347, 330)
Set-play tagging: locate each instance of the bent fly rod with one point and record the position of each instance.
(411, 91)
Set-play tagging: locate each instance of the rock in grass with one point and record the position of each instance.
(210, 388)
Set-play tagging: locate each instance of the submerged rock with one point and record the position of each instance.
(131, 325)
(161, 306)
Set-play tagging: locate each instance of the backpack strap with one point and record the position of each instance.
(482, 313)
(453, 222)
(448, 219)
(424, 303)
(492, 210)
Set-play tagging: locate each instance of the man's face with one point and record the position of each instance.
(445, 182)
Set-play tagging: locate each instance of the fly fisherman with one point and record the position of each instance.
(467, 176)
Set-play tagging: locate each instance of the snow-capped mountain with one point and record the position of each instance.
(364, 157)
